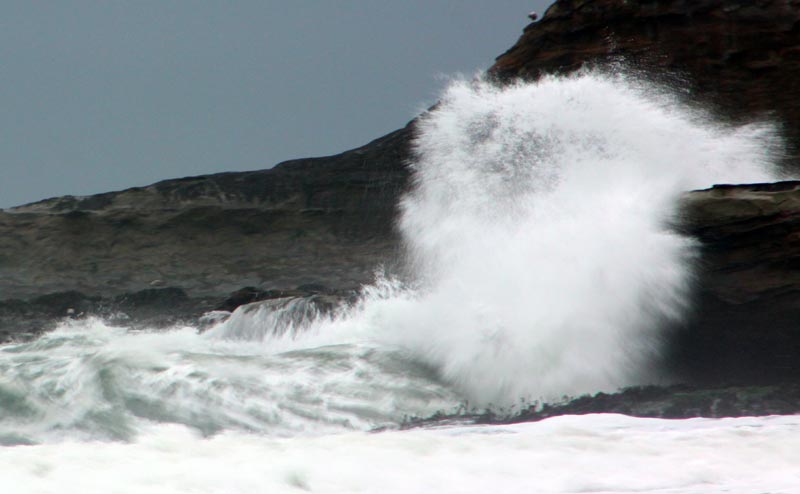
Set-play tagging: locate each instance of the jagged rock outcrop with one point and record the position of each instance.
(745, 324)
(740, 60)
(668, 402)
(739, 57)
(329, 220)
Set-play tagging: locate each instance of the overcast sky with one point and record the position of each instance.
(108, 94)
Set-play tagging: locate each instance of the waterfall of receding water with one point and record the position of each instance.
(538, 234)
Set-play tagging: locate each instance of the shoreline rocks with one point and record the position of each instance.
(664, 402)
(327, 221)
(737, 59)
(744, 321)
(152, 308)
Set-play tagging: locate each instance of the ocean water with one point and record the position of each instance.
(571, 454)
(541, 263)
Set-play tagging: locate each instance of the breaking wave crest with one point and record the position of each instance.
(538, 235)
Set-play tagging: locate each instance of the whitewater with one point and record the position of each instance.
(542, 261)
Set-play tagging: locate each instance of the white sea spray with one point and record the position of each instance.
(541, 263)
(539, 235)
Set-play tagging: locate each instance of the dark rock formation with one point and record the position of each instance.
(740, 57)
(318, 220)
(670, 402)
(679, 402)
(746, 320)
(154, 308)
(741, 60)
(151, 308)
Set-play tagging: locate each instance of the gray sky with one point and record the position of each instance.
(108, 94)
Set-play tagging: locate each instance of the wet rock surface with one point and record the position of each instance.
(679, 402)
(745, 322)
(152, 308)
(739, 58)
(665, 402)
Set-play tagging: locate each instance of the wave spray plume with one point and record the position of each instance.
(538, 236)
(538, 231)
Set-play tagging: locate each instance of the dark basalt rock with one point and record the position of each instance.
(153, 308)
(665, 402)
(745, 324)
(322, 221)
(678, 402)
(741, 58)
(245, 296)
(249, 295)
(26, 318)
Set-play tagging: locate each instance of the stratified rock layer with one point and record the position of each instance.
(741, 57)
(746, 320)
(330, 220)
(319, 220)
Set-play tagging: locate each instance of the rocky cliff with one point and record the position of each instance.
(318, 220)
(745, 324)
(329, 220)
(740, 58)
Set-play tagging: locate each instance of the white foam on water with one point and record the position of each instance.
(593, 453)
(88, 381)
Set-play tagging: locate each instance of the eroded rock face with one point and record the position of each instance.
(318, 220)
(330, 220)
(741, 61)
(739, 57)
(746, 319)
